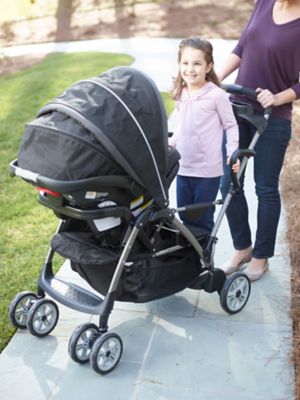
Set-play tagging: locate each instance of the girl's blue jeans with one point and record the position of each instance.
(270, 150)
(191, 190)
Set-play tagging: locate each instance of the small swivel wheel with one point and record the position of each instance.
(42, 317)
(235, 293)
(81, 342)
(106, 353)
(19, 308)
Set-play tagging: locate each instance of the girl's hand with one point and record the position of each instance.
(266, 98)
(235, 167)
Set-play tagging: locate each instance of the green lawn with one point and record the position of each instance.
(26, 226)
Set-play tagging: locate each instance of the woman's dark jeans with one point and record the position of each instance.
(270, 150)
(191, 190)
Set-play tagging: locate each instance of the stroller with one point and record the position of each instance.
(99, 157)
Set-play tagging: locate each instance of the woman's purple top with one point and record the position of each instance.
(270, 55)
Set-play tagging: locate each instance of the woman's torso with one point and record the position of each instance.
(271, 54)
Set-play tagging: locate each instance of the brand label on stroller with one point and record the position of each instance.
(95, 195)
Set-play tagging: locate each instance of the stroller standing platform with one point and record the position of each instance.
(99, 158)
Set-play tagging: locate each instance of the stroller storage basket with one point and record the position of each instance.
(144, 277)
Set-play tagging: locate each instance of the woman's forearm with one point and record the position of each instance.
(231, 64)
(287, 96)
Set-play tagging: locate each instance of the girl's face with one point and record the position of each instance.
(193, 68)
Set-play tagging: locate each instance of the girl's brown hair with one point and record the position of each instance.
(198, 43)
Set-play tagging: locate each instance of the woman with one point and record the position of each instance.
(268, 58)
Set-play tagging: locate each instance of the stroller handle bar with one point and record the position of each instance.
(245, 91)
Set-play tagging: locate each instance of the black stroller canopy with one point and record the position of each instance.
(119, 115)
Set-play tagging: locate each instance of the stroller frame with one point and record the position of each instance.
(30, 305)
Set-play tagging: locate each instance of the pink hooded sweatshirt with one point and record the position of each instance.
(203, 117)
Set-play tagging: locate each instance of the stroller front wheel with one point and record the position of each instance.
(106, 353)
(81, 342)
(42, 317)
(235, 293)
(19, 309)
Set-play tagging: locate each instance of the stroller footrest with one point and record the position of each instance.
(72, 295)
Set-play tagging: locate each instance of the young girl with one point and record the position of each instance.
(205, 112)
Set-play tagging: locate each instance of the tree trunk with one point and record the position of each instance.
(64, 18)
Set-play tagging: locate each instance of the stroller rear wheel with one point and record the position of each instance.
(19, 308)
(42, 317)
(235, 293)
(106, 353)
(81, 342)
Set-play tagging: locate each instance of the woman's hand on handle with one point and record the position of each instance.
(266, 98)
(269, 99)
